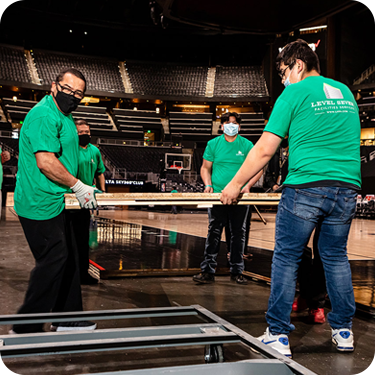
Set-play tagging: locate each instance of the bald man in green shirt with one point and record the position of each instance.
(90, 168)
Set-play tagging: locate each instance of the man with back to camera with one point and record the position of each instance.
(90, 167)
(5, 156)
(320, 190)
(47, 166)
(222, 158)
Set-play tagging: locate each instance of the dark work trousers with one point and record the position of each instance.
(228, 234)
(219, 217)
(54, 283)
(81, 229)
(311, 278)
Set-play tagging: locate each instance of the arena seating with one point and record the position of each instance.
(101, 74)
(132, 124)
(13, 64)
(96, 117)
(167, 79)
(17, 110)
(191, 126)
(240, 81)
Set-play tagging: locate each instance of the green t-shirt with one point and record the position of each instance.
(90, 164)
(1, 171)
(45, 129)
(320, 116)
(227, 158)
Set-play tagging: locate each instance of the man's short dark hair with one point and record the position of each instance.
(81, 122)
(73, 71)
(225, 117)
(298, 50)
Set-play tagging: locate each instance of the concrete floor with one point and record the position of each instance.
(243, 306)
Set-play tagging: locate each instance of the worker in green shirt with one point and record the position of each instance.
(320, 190)
(5, 156)
(222, 158)
(47, 169)
(90, 168)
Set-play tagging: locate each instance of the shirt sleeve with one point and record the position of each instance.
(101, 166)
(208, 153)
(280, 119)
(43, 135)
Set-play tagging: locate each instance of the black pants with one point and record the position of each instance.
(81, 228)
(219, 217)
(311, 278)
(54, 283)
(228, 233)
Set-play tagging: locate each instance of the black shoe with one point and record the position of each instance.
(88, 280)
(204, 278)
(239, 279)
(73, 326)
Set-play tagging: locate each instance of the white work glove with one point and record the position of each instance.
(85, 194)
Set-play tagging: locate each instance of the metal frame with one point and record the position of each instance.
(217, 332)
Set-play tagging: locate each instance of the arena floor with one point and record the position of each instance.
(143, 240)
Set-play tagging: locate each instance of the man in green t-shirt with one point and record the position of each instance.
(90, 167)
(5, 156)
(222, 158)
(47, 169)
(320, 116)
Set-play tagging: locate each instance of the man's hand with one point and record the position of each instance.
(5, 156)
(275, 187)
(208, 189)
(85, 195)
(230, 194)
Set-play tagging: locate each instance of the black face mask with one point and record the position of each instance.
(67, 103)
(84, 139)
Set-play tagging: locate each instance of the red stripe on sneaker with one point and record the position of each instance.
(97, 265)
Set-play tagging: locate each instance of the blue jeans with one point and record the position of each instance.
(218, 217)
(299, 212)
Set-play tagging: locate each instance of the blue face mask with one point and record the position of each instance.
(231, 129)
(287, 82)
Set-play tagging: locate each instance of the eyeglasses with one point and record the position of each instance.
(77, 94)
(282, 72)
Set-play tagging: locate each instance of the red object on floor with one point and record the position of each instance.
(299, 304)
(317, 316)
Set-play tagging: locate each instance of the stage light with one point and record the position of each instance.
(157, 110)
(14, 98)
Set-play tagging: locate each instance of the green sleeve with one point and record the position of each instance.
(208, 153)
(43, 134)
(281, 118)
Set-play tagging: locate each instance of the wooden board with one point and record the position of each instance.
(167, 199)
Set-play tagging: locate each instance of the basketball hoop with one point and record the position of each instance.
(179, 169)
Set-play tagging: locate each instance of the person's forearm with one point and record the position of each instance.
(252, 168)
(206, 176)
(52, 168)
(101, 182)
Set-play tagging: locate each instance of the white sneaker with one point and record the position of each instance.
(277, 342)
(343, 338)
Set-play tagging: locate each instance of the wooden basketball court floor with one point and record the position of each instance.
(160, 239)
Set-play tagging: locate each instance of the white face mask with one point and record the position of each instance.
(231, 129)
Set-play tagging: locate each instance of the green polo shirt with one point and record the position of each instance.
(227, 158)
(1, 171)
(45, 129)
(320, 116)
(90, 164)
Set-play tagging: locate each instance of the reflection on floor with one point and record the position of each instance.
(127, 246)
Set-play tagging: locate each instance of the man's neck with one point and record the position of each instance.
(83, 146)
(312, 73)
(230, 138)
